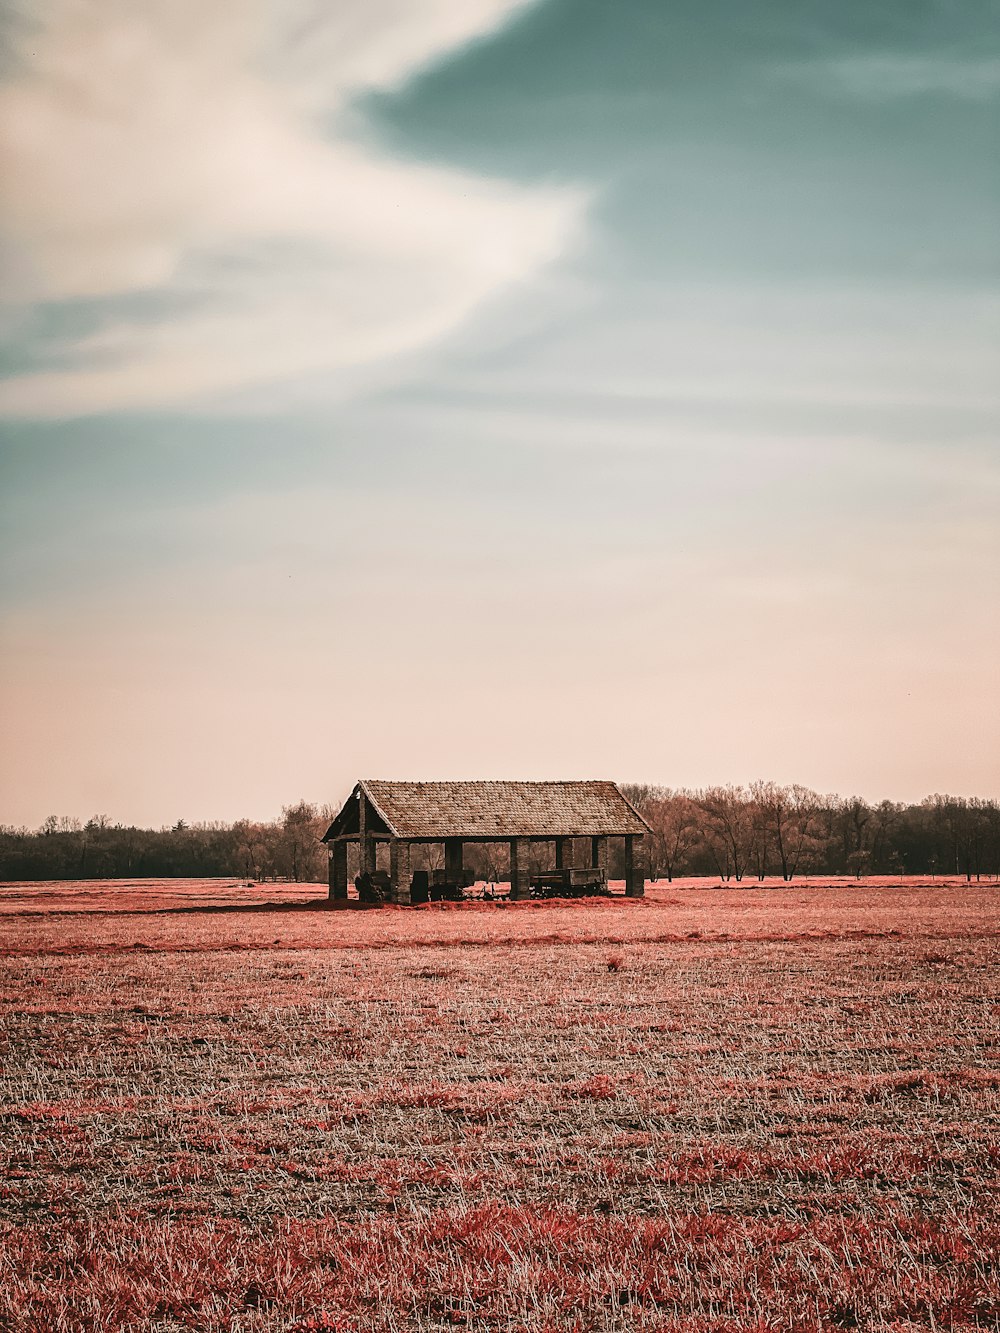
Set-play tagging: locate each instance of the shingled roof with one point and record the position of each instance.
(482, 810)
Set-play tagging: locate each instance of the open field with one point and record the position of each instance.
(713, 1110)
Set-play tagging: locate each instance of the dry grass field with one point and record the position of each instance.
(713, 1110)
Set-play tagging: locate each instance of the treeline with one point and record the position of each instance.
(736, 833)
(765, 829)
(65, 848)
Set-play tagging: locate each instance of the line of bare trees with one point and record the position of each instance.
(737, 833)
(766, 829)
(66, 848)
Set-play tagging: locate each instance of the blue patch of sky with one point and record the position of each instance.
(104, 501)
(722, 140)
(713, 164)
(828, 172)
(48, 335)
(52, 335)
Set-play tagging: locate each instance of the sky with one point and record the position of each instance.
(485, 388)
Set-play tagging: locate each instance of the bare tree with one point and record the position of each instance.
(673, 818)
(299, 847)
(726, 829)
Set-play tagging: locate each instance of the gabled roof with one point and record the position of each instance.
(474, 810)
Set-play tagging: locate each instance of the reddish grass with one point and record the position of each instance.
(714, 1110)
(23, 897)
(197, 915)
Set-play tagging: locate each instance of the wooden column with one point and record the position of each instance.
(399, 871)
(366, 845)
(338, 870)
(564, 853)
(635, 866)
(599, 855)
(518, 887)
(453, 860)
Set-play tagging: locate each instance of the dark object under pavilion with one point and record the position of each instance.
(453, 813)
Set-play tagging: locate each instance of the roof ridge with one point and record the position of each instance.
(497, 808)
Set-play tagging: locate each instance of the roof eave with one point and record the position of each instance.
(363, 785)
(648, 827)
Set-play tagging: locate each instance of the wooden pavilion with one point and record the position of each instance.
(566, 814)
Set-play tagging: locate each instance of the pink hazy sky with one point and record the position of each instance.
(483, 388)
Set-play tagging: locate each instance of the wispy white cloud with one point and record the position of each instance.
(202, 154)
(879, 77)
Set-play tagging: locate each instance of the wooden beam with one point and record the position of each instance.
(366, 846)
(635, 866)
(518, 876)
(338, 870)
(453, 858)
(564, 853)
(400, 877)
(599, 854)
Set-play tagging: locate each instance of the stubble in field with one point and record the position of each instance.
(709, 1111)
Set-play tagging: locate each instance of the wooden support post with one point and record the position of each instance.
(366, 845)
(338, 870)
(518, 887)
(635, 866)
(400, 878)
(564, 853)
(599, 854)
(453, 860)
